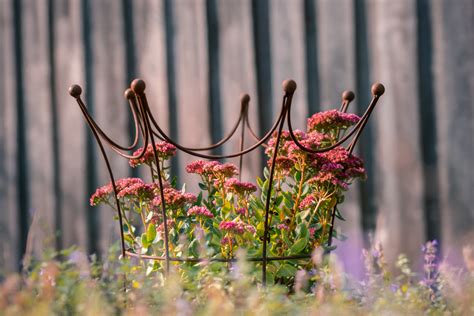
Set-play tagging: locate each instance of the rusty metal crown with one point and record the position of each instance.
(147, 129)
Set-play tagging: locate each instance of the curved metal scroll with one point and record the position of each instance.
(147, 129)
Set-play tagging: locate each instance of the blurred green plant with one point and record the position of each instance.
(70, 283)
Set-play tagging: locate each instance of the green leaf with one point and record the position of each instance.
(299, 246)
(288, 203)
(305, 189)
(338, 215)
(194, 248)
(145, 242)
(303, 215)
(331, 248)
(260, 228)
(270, 278)
(302, 231)
(266, 173)
(278, 200)
(298, 176)
(149, 216)
(259, 182)
(125, 228)
(199, 199)
(151, 233)
(128, 239)
(285, 238)
(202, 186)
(286, 270)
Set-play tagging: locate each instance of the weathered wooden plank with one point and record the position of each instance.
(400, 224)
(335, 21)
(110, 107)
(39, 125)
(191, 78)
(453, 25)
(70, 69)
(237, 76)
(150, 41)
(8, 207)
(288, 56)
(151, 63)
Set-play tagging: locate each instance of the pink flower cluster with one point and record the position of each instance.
(307, 202)
(237, 227)
(200, 211)
(242, 188)
(227, 240)
(164, 151)
(242, 211)
(338, 167)
(330, 120)
(212, 169)
(174, 198)
(161, 228)
(127, 187)
(290, 154)
(283, 227)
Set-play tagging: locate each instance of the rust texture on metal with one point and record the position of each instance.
(146, 129)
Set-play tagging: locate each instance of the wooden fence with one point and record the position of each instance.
(197, 57)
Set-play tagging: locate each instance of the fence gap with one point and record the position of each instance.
(428, 121)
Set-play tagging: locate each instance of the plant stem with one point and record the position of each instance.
(298, 197)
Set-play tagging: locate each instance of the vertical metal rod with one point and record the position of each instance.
(289, 86)
(269, 193)
(138, 86)
(347, 97)
(244, 101)
(377, 90)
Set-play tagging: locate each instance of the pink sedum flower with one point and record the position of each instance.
(236, 227)
(307, 202)
(200, 211)
(197, 167)
(174, 198)
(126, 188)
(227, 241)
(242, 211)
(242, 188)
(338, 167)
(164, 151)
(330, 120)
(283, 227)
(101, 195)
(213, 171)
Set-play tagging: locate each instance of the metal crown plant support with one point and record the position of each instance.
(147, 128)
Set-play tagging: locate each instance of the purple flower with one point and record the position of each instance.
(430, 250)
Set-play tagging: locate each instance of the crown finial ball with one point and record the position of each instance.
(75, 90)
(138, 86)
(244, 98)
(377, 89)
(289, 86)
(348, 96)
(129, 94)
